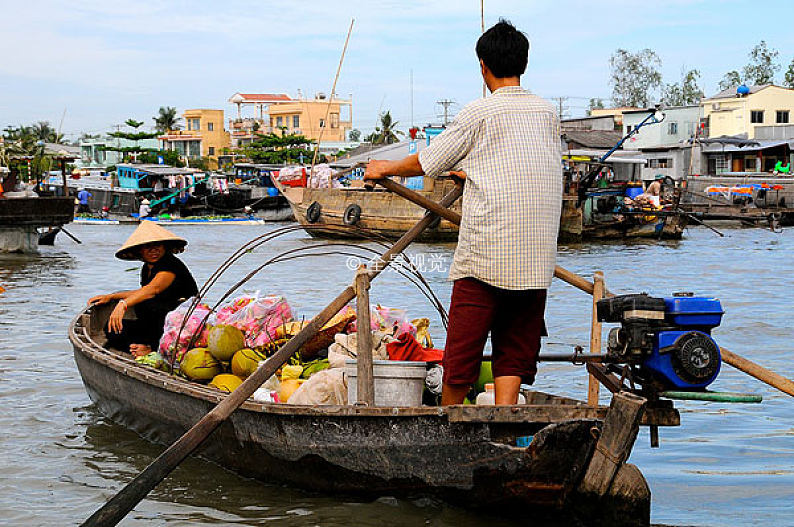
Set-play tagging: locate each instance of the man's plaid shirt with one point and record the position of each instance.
(509, 146)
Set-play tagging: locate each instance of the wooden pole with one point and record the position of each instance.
(759, 372)
(364, 369)
(122, 503)
(595, 336)
(331, 96)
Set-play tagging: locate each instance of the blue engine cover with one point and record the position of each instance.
(666, 364)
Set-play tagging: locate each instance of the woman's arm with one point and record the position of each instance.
(159, 283)
(104, 299)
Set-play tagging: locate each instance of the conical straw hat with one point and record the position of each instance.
(149, 232)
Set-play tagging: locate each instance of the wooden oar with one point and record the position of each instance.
(740, 363)
(114, 510)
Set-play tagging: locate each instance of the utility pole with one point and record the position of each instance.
(446, 103)
(412, 98)
(562, 109)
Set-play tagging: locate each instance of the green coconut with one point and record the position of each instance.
(198, 364)
(226, 382)
(223, 341)
(245, 362)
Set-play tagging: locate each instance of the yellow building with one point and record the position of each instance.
(204, 136)
(616, 113)
(731, 113)
(308, 117)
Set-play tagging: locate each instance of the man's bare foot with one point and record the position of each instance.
(139, 350)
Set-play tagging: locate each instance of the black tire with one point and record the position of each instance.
(352, 214)
(313, 212)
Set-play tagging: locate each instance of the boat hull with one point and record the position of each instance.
(369, 452)
(383, 215)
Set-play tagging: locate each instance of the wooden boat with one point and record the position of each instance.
(579, 224)
(540, 460)
(355, 212)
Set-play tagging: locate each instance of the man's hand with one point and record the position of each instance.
(460, 174)
(377, 169)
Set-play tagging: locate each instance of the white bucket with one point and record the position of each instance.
(397, 383)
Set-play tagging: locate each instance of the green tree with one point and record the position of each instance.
(683, 93)
(730, 80)
(788, 77)
(634, 77)
(595, 103)
(386, 133)
(136, 136)
(278, 149)
(762, 67)
(170, 157)
(354, 134)
(167, 119)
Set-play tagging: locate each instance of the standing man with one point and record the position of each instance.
(508, 147)
(82, 197)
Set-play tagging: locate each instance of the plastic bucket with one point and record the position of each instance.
(397, 383)
(272, 192)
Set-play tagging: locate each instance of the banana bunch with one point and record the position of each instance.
(271, 347)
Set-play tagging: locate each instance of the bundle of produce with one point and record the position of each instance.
(324, 337)
(193, 330)
(257, 317)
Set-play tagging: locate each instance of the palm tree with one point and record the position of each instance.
(167, 119)
(387, 132)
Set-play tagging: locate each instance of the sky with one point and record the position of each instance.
(88, 65)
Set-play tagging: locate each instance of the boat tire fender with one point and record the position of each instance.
(313, 212)
(352, 214)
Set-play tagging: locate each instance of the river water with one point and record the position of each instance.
(728, 464)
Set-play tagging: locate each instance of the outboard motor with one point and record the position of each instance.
(667, 339)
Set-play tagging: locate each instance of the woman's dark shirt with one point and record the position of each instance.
(183, 286)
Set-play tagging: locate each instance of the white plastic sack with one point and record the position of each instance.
(324, 387)
(345, 347)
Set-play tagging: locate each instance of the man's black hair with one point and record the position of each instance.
(504, 49)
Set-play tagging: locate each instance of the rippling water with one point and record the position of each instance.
(726, 465)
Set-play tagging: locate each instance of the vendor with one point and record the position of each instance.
(508, 146)
(144, 209)
(82, 198)
(165, 283)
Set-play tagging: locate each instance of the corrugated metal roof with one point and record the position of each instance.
(593, 138)
(730, 93)
(714, 148)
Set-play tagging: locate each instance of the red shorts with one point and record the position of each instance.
(514, 320)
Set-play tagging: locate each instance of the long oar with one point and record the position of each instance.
(114, 510)
(70, 235)
(740, 363)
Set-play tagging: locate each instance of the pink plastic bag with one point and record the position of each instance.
(171, 350)
(391, 320)
(256, 316)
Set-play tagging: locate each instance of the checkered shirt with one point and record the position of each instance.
(509, 146)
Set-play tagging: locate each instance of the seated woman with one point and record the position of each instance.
(165, 283)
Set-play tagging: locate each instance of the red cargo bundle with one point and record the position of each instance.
(299, 181)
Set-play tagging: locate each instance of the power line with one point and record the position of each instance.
(561, 108)
(446, 103)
